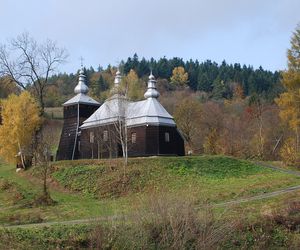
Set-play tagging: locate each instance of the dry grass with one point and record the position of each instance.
(167, 223)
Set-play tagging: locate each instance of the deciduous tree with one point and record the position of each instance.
(30, 64)
(289, 101)
(20, 121)
(133, 88)
(187, 115)
(179, 76)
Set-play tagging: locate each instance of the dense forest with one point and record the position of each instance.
(215, 80)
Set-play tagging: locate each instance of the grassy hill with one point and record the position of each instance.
(86, 189)
(213, 178)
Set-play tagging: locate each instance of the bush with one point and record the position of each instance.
(288, 152)
(165, 223)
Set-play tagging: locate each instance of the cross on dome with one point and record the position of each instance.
(81, 87)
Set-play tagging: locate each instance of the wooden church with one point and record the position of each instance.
(118, 126)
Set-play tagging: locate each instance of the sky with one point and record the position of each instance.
(251, 32)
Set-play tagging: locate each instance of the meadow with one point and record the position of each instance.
(108, 196)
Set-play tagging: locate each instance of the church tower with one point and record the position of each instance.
(76, 110)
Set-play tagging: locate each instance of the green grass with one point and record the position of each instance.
(207, 177)
(86, 189)
(54, 237)
(91, 188)
(69, 205)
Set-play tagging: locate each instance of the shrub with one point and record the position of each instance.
(288, 153)
(165, 223)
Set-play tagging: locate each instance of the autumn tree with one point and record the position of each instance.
(30, 64)
(187, 114)
(211, 126)
(20, 121)
(289, 101)
(256, 108)
(7, 87)
(132, 86)
(179, 76)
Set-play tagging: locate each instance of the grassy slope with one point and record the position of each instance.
(96, 188)
(213, 178)
(14, 210)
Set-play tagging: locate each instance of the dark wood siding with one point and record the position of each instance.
(100, 148)
(68, 134)
(175, 145)
(152, 143)
(138, 148)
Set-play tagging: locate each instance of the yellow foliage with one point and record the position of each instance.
(288, 152)
(289, 101)
(179, 76)
(20, 120)
(133, 87)
(211, 142)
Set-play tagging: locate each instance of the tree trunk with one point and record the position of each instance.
(21, 156)
(45, 190)
(297, 139)
(42, 105)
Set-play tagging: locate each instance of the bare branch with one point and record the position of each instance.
(30, 63)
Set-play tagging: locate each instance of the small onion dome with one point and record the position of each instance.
(118, 78)
(81, 86)
(151, 90)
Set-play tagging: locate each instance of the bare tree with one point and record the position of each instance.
(119, 133)
(187, 115)
(42, 156)
(29, 64)
(258, 110)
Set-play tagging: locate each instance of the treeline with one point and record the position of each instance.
(217, 80)
(209, 76)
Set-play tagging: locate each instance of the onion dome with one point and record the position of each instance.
(151, 90)
(118, 78)
(81, 86)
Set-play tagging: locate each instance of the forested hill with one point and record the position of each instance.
(215, 79)
(204, 76)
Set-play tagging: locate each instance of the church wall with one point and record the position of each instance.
(139, 147)
(97, 147)
(175, 145)
(68, 134)
(152, 140)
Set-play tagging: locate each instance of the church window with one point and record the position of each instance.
(92, 137)
(133, 137)
(105, 135)
(167, 137)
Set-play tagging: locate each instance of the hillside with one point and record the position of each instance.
(213, 178)
(98, 189)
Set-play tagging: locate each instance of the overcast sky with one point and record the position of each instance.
(252, 32)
